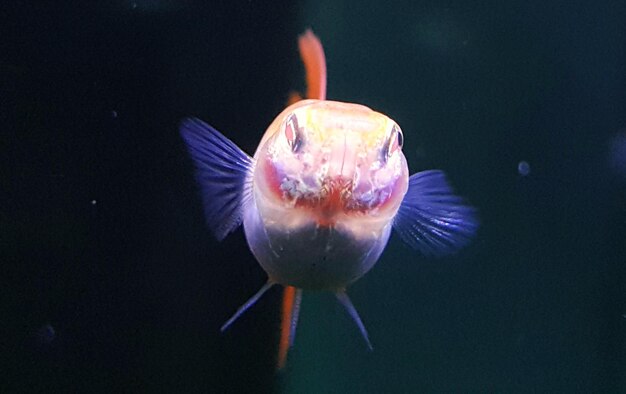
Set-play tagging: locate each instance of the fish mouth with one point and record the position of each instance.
(335, 196)
(329, 192)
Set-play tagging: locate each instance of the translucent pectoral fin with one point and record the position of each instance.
(345, 301)
(431, 218)
(247, 305)
(221, 170)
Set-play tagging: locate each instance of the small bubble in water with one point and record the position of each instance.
(617, 155)
(523, 168)
(46, 333)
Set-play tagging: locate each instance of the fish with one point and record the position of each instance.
(321, 195)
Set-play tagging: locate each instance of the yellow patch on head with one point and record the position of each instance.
(326, 120)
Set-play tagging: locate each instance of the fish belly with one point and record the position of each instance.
(312, 257)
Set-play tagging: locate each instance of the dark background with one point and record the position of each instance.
(110, 281)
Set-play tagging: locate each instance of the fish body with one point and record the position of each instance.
(325, 187)
(321, 195)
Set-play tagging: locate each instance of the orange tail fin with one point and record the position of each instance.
(312, 55)
(291, 310)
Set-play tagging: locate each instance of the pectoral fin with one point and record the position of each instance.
(222, 171)
(431, 218)
(345, 301)
(247, 305)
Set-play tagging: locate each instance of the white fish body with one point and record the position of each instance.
(319, 199)
(322, 209)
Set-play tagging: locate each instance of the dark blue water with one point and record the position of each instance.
(110, 281)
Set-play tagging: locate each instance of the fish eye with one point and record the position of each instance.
(399, 136)
(393, 143)
(293, 134)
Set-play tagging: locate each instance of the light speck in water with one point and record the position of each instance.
(617, 154)
(114, 114)
(523, 168)
(46, 333)
(94, 202)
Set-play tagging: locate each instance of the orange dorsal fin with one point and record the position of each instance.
(312, 55)
(294, 97)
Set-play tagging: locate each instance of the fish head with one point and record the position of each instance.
(333, 164)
